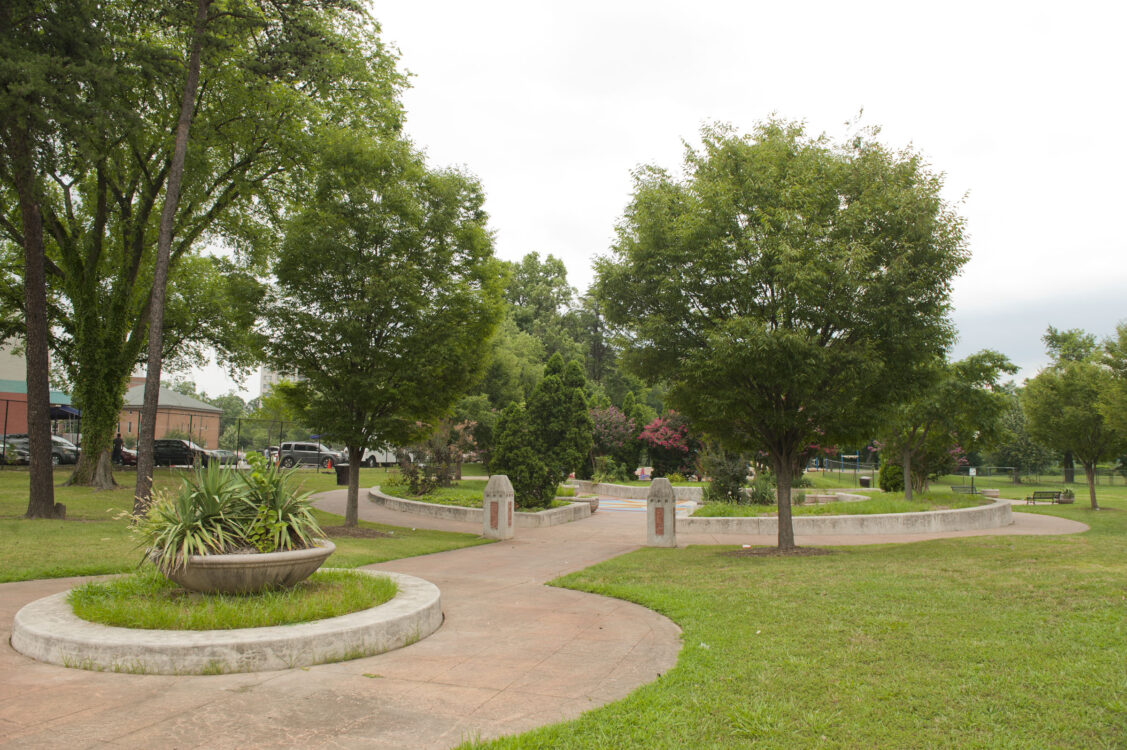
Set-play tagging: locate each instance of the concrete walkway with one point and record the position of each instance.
(513, 654)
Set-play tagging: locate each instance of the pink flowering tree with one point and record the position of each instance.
(670, 446)
(615, 435)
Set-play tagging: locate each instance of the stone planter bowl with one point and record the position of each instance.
(251, 573)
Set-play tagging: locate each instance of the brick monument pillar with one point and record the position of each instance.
(661, 515)
(498, 502)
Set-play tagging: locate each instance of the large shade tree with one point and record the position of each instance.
(787, 286)
(387, 290)
(48, 53)
(271, 74)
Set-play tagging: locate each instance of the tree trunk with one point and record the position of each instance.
(783, 476)
(147, 431)
(1017, 476)
(352, 506)
(906, 459)
(94, 467)
(41, 497)
(1090, 475)
(1069, 468)
(99, 393)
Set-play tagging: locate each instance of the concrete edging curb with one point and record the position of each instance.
(523, 519)
(993, 516)
(48, 630)
(633, 492)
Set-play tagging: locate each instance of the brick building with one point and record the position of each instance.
(175, 413)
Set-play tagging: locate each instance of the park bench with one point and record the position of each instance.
(963, 490)
(1053, 496)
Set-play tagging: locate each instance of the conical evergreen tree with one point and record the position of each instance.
(514, 455)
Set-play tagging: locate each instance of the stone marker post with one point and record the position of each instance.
(497, 502)
(661, 515)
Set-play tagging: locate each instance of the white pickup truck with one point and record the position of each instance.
(378, 458)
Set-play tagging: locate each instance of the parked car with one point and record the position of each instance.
(271, 452)
(14, 452)
(225, 457)
(309, 454)
(176, 452)
(63, 451)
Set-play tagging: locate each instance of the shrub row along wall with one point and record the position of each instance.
(993, 516)
(524, 520)
(632, 492)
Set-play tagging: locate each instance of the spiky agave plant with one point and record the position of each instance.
(281, 518)
(206, 515)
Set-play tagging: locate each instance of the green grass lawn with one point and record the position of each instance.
(984, 642)
(465, 493)
(889, 502)
(833, 480)
(92, 541)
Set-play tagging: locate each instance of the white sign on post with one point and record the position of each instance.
(972, 471)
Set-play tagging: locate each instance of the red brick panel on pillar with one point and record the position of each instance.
(661, 515)
(497, 502)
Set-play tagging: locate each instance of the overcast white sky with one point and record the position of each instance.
(1022, 105)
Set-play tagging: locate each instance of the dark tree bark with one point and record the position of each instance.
(906, 458)
(784, 469)
(1090, 475)
(1069, 468)
(352, 507)
(41, 499)
(147, 431)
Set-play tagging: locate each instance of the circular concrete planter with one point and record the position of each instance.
(48, 630)
(250, 573)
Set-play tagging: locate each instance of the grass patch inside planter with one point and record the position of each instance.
(148, 600)
(887, 503)
(465, 493)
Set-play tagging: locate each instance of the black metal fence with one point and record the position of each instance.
(245, 435)
(1104, 475)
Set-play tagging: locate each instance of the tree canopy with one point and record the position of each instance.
(788, 287)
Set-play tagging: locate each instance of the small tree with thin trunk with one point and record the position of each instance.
(386, 292)
(961, 404)
(1062, 411)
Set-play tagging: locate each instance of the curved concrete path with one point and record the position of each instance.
(513, 654)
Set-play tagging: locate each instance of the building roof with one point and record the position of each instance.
(20, 386)
(167, 399)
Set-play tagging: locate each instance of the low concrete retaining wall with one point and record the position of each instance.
(991, 516)
(632, 492)
(523, 519)
(48, 630)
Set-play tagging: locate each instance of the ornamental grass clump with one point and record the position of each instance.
(217, 511)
